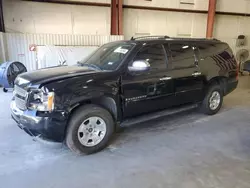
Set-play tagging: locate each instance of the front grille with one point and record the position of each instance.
(20, 91)
(20, 95)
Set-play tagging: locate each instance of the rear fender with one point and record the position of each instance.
(219, 80)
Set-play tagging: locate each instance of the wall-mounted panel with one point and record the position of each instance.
(47, 20)
(226, 26)
(18, 17)
(201, 4)
(239, 6)
(33, 17)
(92, 1)
(182, 4)
(184, 28)
(187, 4)
(148, 22)
(199, 28)
(91, 20)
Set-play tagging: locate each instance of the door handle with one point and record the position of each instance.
(165, 78)
(196, 74)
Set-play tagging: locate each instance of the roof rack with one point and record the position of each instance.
(149, 37)
(198, 39)
(167, 37)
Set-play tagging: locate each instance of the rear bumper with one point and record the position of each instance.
(231, 86)
(46, 128)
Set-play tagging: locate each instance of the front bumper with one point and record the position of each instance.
(50, 127)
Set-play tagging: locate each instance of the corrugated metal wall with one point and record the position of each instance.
(18, 44)
(2, 48)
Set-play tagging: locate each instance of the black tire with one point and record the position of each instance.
(205, 106)
(5, 90)
(79, 116)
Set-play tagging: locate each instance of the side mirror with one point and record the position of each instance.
(139, 66)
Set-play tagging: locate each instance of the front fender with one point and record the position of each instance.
(73, 92)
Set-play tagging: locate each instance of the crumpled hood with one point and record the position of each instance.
(50, 74)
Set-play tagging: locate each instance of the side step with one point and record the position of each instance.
(157, 115)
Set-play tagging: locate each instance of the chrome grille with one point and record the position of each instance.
(20, 97)
(20, 91)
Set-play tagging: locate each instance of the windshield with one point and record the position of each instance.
(108, 56)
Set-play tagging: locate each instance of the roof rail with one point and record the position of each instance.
(150, 37)
(216, 39)
(193, 39)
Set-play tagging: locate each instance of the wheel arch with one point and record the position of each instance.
(105, 102)
(220, 80)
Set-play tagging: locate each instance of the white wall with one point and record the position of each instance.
(148, 22)
(227, 28)
(240, 6)
(32, 17)
(92, 1)
(198, 4)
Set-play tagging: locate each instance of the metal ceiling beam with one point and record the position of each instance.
(2, 28)
(71, 2)
(114, 17)
(184, 10)
(139, 7)
(165, 9)
(211, 18)
(120, 17)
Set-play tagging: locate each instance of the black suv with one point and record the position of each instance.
(121, 83)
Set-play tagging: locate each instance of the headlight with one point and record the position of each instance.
(41, 100)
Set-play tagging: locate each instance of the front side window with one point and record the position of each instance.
(154, 55)
(183, 55)
(108, 56)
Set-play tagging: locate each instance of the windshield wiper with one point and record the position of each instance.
(89, 65)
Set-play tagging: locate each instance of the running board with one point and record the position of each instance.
(157, 115)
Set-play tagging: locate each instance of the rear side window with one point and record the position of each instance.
(154, 55)
(183, 55)
(208, 49)
(205, 46)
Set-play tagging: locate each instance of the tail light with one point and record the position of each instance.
(237, 66)
(237, 71)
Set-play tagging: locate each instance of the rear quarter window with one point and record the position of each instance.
(209, 49)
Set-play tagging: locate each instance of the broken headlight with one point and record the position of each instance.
(41, 100)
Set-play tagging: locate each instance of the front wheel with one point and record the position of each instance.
(89, 130)
(213, 100)
(5, 90)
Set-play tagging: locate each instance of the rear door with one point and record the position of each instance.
(187, 77)
(148, 91)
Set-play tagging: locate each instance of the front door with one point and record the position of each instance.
(151, 90)
(187, 77)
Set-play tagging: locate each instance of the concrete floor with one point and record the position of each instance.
(188, 150)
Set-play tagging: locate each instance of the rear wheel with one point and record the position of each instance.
(213, 100)
(89, 130)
